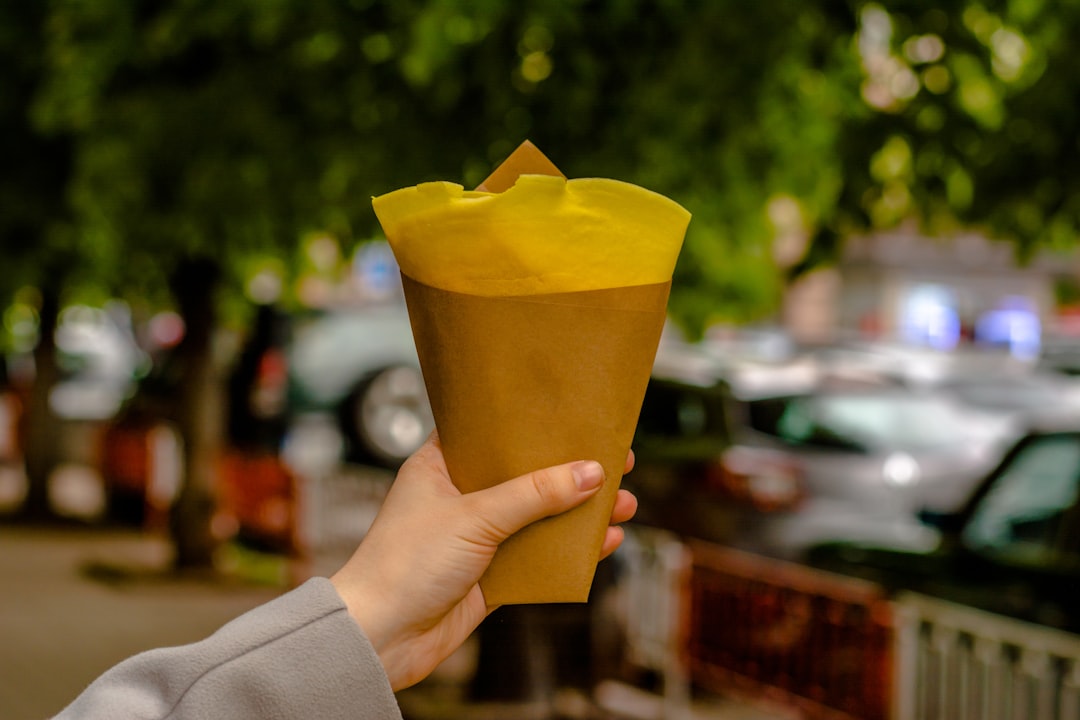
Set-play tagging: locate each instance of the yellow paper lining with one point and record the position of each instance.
(544, 235)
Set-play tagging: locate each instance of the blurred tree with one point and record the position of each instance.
(35, 231)
(973, 121)
(200, 132)
(195, 133)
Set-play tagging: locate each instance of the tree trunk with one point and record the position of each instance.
(199, 412)
(41, 425)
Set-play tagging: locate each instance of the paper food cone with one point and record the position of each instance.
(519, 384)
(528, 369)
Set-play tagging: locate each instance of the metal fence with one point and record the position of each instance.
(338, 507)
(707, 618)
(654, 569)
(957, 663)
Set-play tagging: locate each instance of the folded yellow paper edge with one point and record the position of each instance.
(545, 234)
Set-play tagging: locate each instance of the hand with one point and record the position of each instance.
(412, 584)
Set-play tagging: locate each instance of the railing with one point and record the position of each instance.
(707, 618)
(810, 640)
(956, 663)
(714, 620)
(655, 566)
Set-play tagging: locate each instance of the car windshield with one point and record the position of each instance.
(1022, 517)
(862, 422)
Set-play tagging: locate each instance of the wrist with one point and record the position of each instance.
(379, 627)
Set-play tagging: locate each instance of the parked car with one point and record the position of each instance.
(1014, 547)
(1060, 354)
(682, 429)
(854, 463)
(917, 367)
(98, 359)
(1021, 395)
(360, 366)
(797, 459)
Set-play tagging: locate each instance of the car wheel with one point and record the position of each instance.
(388, 417)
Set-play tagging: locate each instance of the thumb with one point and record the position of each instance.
(512, 505)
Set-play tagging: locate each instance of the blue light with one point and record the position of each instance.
(929, 318)
(1014, 324)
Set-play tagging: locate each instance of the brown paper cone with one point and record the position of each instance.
(522, 383)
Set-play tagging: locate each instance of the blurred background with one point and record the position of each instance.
(859, 452)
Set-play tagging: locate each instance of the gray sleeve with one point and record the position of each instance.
(300, 655)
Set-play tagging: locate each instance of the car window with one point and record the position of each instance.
(1022, 517)
(859, 422)
(681, 419)
(671, 410)
(797, 421)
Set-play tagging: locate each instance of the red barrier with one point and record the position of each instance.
(257, 494)
(260, 493)
(125, 457)
(10, 422)
(783, 632)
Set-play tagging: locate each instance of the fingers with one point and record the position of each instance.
(612, 540)
(629, 462)
(625, 508)
(512, 505)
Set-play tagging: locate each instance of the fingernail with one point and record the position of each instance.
(588, 474)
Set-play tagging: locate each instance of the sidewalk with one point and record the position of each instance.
(60, 628)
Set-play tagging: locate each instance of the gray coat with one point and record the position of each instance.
(300, 655)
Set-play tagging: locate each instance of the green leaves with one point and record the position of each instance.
(235, 127)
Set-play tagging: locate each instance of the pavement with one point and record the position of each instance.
(75, 601)
(60, 626)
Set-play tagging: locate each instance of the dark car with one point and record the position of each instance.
(682, 430)
(1013, 549)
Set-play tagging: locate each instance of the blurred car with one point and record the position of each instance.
(1060, 354)
(1013, 549)
(777, 458)
(360, 366)
(98, 359)
(916, 442)
(1020, 395)
(851, 463)
(914, 366)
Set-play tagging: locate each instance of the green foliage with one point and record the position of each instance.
(988, 128)
(234, 128)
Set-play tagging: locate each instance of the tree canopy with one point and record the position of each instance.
(231, 128)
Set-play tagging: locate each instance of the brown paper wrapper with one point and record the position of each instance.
(522, 383)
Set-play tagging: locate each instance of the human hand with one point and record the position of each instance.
(412, 584)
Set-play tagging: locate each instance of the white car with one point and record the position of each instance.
(360, 366)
